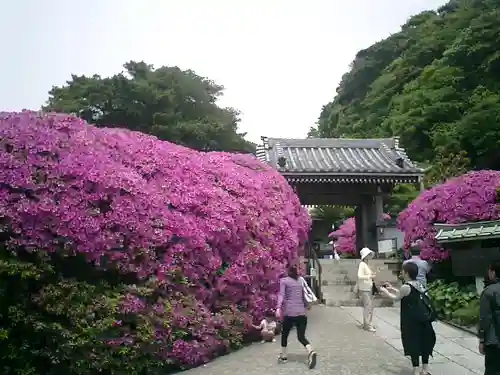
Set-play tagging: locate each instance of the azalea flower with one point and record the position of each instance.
(204, 236)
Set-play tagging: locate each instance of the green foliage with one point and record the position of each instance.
(467, 316)
(335, 215)
(60, 315)
(434, 84)
(172, 104)
(56, 324)
(446, 167)
(400, 197)
(450, 298)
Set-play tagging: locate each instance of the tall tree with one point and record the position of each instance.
(173, 104)
(333, 215)
(435, 84)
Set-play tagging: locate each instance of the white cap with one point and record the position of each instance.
(365, 252)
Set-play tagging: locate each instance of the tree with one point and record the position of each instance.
(173, 104)
(446, 167)
(334, 215)
(401, 196)
(434, 84)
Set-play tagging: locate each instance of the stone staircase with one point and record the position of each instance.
(339, 277)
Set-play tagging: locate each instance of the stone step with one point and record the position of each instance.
(326, 284)
(377, 302)
(337, 278)
(341, 294)
(337, 282)
(353, 271)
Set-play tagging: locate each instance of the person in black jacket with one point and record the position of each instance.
(489, 319)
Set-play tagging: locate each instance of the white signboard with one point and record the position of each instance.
(386, 246)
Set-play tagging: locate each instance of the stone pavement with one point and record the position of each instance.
(456, 352)
(344, 349)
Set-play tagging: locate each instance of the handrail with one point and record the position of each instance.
(319, 269)
(313, 258)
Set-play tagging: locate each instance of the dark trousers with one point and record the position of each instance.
(492, 360)
(415, 360)
(300, 323)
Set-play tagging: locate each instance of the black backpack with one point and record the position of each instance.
(424, 310)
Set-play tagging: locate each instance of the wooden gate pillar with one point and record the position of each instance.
(360, 239)
(370, 224)
(366, 224)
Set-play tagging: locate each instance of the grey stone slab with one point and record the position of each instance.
(450, 332)
(355, 312)
(471, 343)
(474, 363)
(439, 358)
(390, 316)
(449, 368)
(387, 331)
(396, 344)
(451, 348)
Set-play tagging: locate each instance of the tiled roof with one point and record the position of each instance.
(342, 160)
(467, 232)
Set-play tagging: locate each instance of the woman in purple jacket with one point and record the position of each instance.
(293, 305)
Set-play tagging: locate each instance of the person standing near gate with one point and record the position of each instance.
(489, 319)
(365, 288)
(423, 268)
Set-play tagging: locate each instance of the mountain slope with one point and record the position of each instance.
(435, 84)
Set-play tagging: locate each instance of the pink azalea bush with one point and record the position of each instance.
(171, 252)
(468, 198)
(346, 235)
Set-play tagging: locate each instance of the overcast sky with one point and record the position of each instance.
(280, 60)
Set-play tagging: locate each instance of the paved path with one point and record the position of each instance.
(344, 349)
(456, 352)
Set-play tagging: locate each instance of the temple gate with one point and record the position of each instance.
(348, 172)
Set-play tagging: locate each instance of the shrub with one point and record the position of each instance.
(448, 298)
(468, 198)
(129, 255)
(346, 236)
(467, 316)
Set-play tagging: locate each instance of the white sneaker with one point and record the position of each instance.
(274, 340)
(370, 329)
(263, 342)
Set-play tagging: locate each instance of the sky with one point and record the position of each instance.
(279, 60)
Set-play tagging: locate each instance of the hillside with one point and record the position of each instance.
(435, 83)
